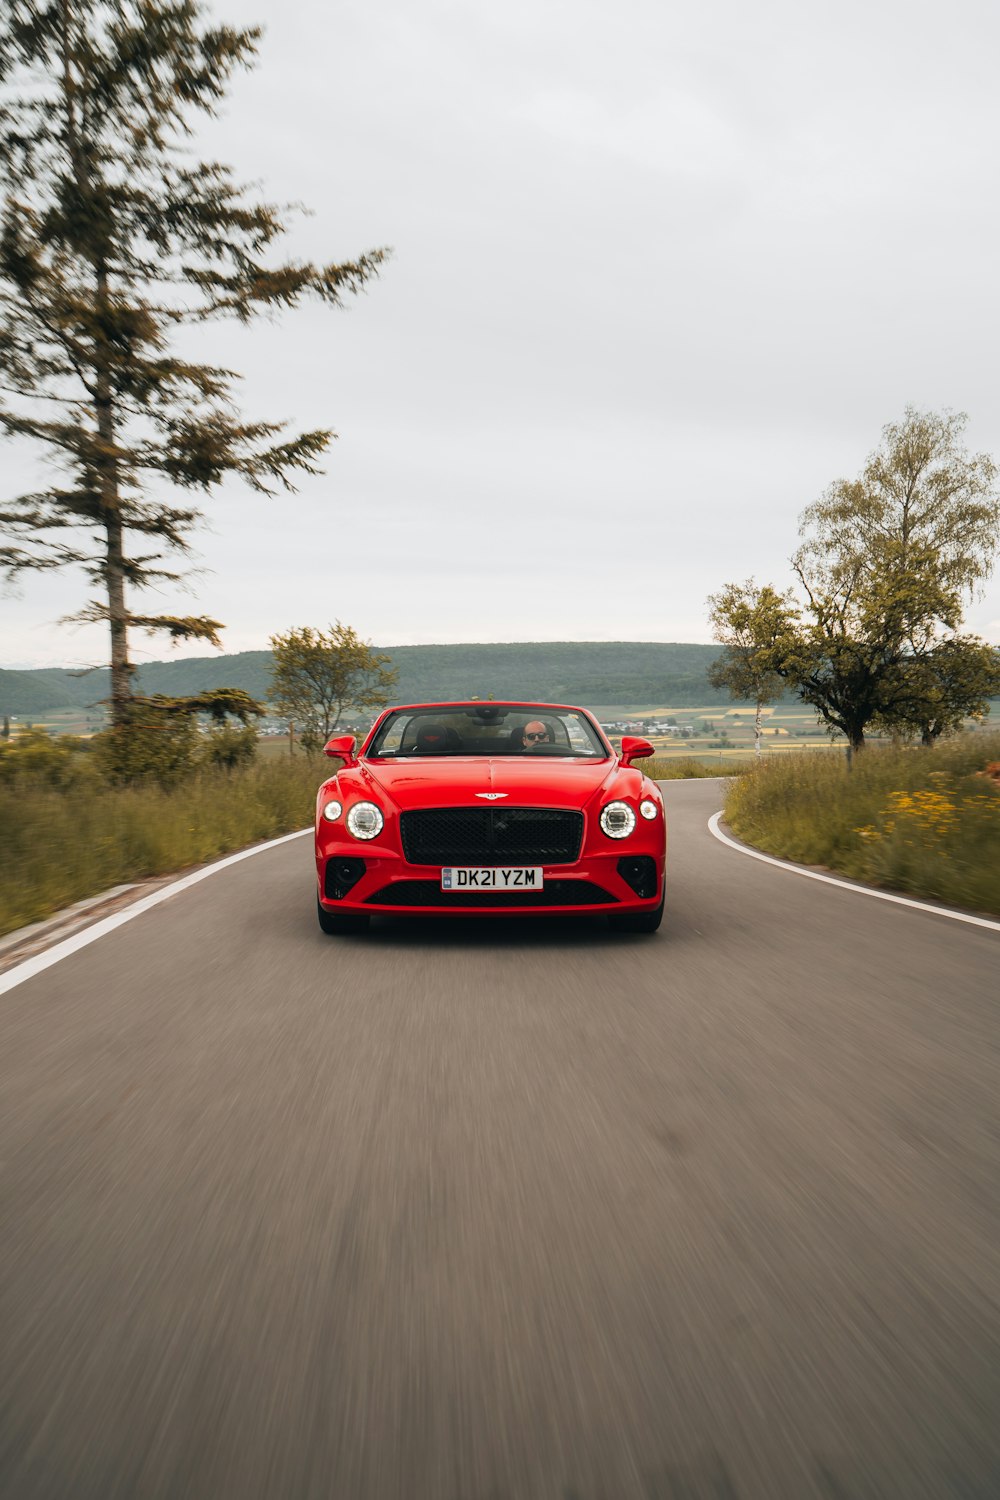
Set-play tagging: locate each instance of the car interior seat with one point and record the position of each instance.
(435, 739)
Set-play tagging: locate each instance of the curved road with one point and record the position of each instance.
(506, 1212)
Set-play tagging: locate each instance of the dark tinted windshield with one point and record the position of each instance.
(488, 729)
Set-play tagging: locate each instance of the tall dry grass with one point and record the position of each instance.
(58, 845)
(685, 768)
(926, 821)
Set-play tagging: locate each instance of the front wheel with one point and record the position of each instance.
(341, 924)
(638, 921)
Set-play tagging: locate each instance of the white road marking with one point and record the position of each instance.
(847, 885)
(59, 951)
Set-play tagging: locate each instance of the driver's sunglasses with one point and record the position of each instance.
(542, 736)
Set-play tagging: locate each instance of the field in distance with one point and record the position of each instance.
(710, 734)
(714, 733)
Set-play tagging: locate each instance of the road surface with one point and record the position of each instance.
(506, 1211)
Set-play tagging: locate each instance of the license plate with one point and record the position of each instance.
(491, 878)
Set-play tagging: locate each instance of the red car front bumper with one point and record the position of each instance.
(612, 880)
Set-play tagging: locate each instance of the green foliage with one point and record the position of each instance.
(852, 657)
(319, 676)
(748, 621)
(113, 236)
(219, 704)
(919, 492)
(150, 743)
(157, 738)
(56, 850)
(34, 758)
(884, 563)
(229, 746)
(952, 680)
(924, 821)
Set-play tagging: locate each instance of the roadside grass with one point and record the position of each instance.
(59, 845)
(925, 821)
(684, 768)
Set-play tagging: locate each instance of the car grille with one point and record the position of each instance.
(491, 836)
(429, 893)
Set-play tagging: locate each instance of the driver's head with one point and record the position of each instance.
(535, 732)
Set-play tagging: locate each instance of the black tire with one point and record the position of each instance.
(638, 921)
(341, 924)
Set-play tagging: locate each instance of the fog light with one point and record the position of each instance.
(341, 876)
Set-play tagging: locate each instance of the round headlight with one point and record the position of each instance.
(617, 820)
(648, 808)
(332, 811)
(365, 820)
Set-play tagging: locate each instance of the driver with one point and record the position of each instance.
(536, 732)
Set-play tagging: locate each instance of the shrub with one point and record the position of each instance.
(34, 758)
(229, 746)
(151, 745)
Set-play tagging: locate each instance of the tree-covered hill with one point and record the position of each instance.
(598, 672)
(26, 693)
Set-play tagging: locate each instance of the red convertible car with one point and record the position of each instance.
(473, 809)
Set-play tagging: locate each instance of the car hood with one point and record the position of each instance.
(458, 781)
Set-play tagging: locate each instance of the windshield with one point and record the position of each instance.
(488, 729)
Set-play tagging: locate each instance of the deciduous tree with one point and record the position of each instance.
(319, 675)
(941, 687)
(749, 622)
(863, 628)
(112, 239)
(884, 564)
(920, 494)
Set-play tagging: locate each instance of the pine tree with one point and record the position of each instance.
(112, 239)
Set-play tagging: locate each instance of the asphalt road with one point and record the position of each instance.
(506, 1212)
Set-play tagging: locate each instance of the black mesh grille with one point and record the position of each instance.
(491, 836)
(429, 893)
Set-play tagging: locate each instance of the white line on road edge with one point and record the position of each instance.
(41, 961)
(847, 885)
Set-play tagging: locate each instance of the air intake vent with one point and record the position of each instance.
(402, 893)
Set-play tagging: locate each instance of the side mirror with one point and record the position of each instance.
(341, 747)
(632, 749)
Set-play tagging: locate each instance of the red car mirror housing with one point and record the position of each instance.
(341, 747)
(634, 749)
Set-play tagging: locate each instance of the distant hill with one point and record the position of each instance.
(27, 693)
(588, 672)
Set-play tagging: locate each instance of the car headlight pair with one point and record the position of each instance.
(364, 821)
(617, 819)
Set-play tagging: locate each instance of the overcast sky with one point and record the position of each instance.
(660, 273)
